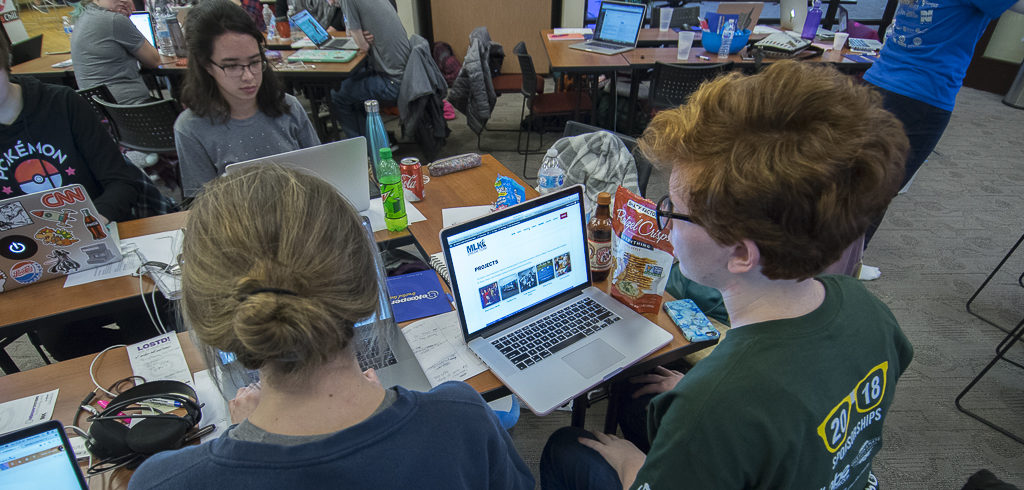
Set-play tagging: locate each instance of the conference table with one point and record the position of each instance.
(472, 187)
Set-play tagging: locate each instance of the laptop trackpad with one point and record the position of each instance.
(593, 358)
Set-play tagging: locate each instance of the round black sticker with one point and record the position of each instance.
(17, 247)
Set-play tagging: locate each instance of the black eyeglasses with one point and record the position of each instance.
(666, 214)
(235, 71)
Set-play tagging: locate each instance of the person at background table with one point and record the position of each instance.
(327, 12)
(108, 49)
(237, 109)
(760, 201)
(375, 27)
(280, 283)
(50, 137)
(922, 65)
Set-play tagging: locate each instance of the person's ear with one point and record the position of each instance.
(745, 257)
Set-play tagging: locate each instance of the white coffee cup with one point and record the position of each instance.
(685, 41)
(666, 18)
(839, 41)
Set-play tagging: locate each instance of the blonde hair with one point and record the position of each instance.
(276, 269)
(799, 158)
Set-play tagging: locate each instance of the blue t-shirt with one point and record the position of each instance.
(445, 438)
(930, 46)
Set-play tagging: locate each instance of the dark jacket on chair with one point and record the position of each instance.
(420, 99)
(473, 93)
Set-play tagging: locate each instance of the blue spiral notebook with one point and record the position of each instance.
(417, 295)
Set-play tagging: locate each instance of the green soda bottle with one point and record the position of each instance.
(391, 192)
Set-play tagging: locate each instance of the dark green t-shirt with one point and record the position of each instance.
(795, 403)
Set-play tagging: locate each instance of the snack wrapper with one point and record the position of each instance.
(510, 192)
(641, 253)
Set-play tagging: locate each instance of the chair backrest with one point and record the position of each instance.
(529, 73)
(145, 127)
(682, 17)
(103, 93)
(671, 85)
(27, 50)
(643, 165)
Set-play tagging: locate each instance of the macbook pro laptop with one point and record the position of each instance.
(618, 26)
(527, 307)
(144, 23)
(40, 457)
(319, 36)
(341, 163)
(51, 233)
(26, 50)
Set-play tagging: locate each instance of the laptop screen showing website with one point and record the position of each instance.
(144, 23)
(619, 23)
(310, 27)
(37, 461)
(503, 267)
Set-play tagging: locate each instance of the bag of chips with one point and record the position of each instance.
(641, 253)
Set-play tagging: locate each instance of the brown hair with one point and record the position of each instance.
(276, 269)
(5, 53)
(799, 158)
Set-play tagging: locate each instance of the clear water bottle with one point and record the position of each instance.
(727, 34)
(376, 135)
(291, 18)
(812, 21)
(392, 194)
(550, 177)
(268, 20)
(164, 43)
(68, 26)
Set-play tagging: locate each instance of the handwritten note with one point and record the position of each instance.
(442, 352)
(159, 358)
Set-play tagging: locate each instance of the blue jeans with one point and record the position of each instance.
(924, 125)
(566, 464)
(347, 100)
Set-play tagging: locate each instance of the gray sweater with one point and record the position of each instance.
(206, 147)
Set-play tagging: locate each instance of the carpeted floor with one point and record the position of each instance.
(936, 245)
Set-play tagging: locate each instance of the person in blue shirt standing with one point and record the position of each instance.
(277, 269)
(922, 66)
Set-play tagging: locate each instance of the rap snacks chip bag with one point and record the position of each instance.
(641, 253)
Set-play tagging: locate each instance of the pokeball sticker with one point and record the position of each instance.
(26, 272)
(13, 215)
(37, 175)
(17, 247)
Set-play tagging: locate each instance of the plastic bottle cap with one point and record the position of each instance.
(604, 199)
(551, 153)
(371, 106)
(385, 153)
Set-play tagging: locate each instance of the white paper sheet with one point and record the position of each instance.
(24, 412)
(215, 408)
(160, 358)
(127, 266)
(454, 216)
(159, 247)
(442, 352)
(573, 30)
(376, 214)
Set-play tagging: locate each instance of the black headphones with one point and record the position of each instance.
(116, 444)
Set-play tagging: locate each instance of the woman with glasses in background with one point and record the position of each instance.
(236, 106)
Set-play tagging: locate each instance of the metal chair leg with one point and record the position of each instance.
(1020, 280)
(33, 337)
(1004, 346)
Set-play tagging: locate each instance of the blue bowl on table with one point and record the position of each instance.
(712, 41)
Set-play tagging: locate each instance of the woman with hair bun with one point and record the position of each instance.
(280, 283)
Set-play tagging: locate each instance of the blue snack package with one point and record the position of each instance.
(510, 192)
(691, 321)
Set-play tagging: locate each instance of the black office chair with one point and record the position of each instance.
(643, 165)
(26, 50)
(541, 104)
(671, 85)
(148, 128)
(103, 93)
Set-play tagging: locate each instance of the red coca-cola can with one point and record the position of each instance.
(412, 178)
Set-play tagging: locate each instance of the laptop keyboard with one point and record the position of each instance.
(538, 340)
(599, 44)
(376, 355)
(336, 44)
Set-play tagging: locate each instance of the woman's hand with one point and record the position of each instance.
(247, 398)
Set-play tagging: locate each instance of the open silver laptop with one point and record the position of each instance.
(318, 35)
(40, 457)
(52, 233)
(528, 309)
(341, 163)
(617, 29)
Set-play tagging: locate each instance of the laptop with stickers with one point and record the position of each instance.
(318, 35)
(40, 457)
(50, 234)
(522, 286)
